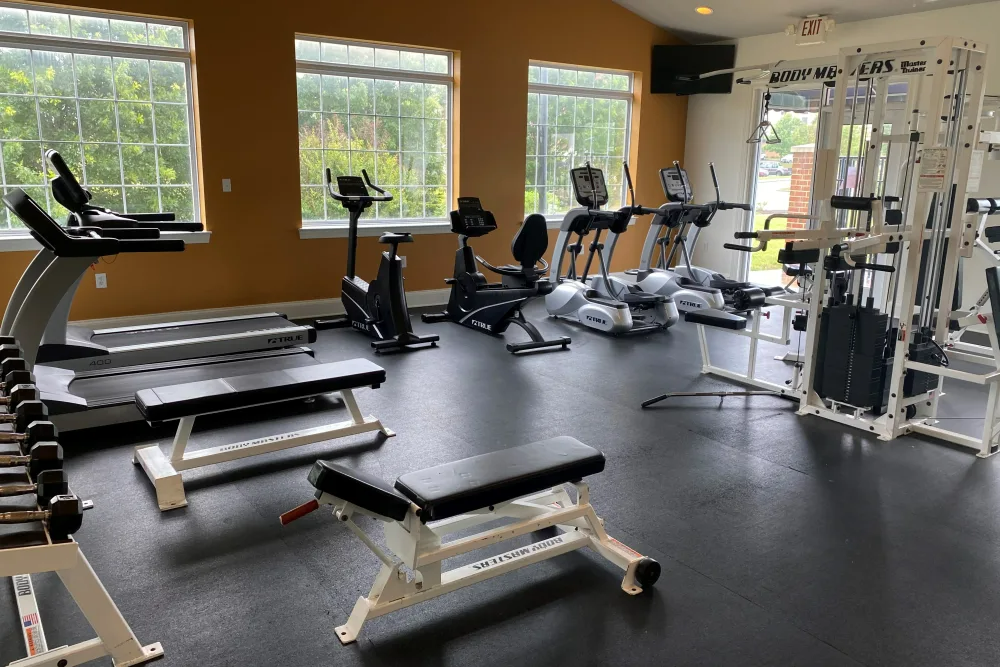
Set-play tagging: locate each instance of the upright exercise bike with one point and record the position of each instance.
(377, 309)
(492, 307)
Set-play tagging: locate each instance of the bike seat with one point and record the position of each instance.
(396, 237)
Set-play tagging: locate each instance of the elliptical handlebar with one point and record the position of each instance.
(383, 195)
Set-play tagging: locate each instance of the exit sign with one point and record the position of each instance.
(812, 30)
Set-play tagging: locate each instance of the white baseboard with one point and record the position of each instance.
(292, 309)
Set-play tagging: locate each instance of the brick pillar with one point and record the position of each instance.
(803, 160)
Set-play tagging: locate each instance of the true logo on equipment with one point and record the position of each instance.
(482, 325)
(596, 319)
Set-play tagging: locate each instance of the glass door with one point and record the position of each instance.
(784, 172)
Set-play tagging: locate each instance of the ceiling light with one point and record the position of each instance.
(704, 11)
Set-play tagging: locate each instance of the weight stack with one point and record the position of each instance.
(926, 352)
(851, 359)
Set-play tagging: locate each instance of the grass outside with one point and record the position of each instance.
(772, 178)
(767, 260)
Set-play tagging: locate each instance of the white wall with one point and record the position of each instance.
(718, 125)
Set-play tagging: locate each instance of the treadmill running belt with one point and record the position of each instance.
(120, 388)
(204, 330)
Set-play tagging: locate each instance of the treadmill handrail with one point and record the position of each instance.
(50, 233)
(68, 192)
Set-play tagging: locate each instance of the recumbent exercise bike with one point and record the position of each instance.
(488, 307)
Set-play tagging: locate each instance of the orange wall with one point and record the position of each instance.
(245, 80)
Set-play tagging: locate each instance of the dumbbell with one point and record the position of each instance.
(37, 431)
(18, 394)
(14, 372)
(63, 516)
(48, 484)
(42, 456)
(23, 413)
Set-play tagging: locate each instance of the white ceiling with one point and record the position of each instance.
(745, 18)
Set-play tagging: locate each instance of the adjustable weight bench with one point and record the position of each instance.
(712, 317)
(528, 484)
(186, 402)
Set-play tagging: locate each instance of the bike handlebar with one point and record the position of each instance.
(384, 196)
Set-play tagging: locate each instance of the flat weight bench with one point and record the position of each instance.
(529, 484)
(186, 402)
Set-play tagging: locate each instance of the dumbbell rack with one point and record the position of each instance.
(56, 551)
(114, 636)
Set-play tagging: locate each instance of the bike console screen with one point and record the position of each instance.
(585, 190)
(471, 219)
(352, 186)
(676, 186)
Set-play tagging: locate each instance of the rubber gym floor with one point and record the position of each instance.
(784, 540)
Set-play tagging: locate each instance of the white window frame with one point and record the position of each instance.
(313, 229)
(554, 219)
(20, 239)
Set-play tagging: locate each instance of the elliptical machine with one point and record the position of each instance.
(692, 287)
(601, 302)
(377, 309)
(488, 307)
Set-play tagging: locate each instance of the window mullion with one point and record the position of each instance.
(79, 122)
(38, 121)
(156, 152)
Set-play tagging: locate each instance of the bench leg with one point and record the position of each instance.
(390, 585)
(162, 472)
(358, 418)
(166, 480)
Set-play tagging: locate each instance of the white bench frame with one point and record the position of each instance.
(114, 636)
(164, 470)
(419, 547)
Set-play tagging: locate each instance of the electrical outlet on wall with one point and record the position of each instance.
(102, 280)
(227, 185)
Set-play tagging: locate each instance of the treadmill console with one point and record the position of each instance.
(352, 186)
(471, 219)
(676, 185)
(585, 190)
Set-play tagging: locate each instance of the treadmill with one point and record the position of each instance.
(81, 349)
(84, 399)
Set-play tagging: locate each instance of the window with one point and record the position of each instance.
(383, 109)
(111, 94)
(574, 115)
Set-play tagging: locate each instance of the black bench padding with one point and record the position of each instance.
(358, 488)
(716, 318)
(480, 481)
(199, 398)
